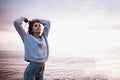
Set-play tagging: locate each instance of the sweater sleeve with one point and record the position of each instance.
(46, 24)
(19, 28)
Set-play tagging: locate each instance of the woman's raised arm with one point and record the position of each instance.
(19, 28)
(46, 24)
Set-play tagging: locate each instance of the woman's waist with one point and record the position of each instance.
(41, 64)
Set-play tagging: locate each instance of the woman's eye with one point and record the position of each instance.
(35, 25)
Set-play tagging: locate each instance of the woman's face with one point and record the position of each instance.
(36, 28)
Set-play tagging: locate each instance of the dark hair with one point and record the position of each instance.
(30, 28)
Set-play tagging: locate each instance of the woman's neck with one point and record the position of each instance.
(36, 35)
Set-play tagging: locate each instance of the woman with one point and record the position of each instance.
(35, 45)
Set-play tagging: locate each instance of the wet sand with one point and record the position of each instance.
(12, 66)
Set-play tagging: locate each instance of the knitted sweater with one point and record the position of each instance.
(36, 50)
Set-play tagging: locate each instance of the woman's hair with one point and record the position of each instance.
(30, 28)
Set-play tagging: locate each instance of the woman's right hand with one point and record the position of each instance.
(25, 19)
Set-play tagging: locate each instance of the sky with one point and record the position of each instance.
(77, 26)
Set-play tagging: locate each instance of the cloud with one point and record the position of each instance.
(68, 17)
(106, 11)
(113, 7)
(10, 41)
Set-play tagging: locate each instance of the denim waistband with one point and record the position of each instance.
(38, 64)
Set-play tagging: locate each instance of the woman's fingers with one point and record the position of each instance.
(25, 19)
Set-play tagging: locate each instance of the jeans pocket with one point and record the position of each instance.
(37, 71)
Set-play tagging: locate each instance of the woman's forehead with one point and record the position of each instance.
(36, 23)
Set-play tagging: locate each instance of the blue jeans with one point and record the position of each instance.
(34, 72)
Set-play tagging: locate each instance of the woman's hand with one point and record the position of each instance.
(25, 19)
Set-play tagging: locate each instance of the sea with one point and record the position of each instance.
(96, 67)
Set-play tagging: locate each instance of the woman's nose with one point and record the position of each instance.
(39, 28)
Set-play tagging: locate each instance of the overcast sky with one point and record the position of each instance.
(76, 25)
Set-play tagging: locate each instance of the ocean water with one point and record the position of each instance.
(96, 67)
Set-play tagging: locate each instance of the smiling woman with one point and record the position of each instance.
(36, 55)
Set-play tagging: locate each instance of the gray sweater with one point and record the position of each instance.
(36, 50)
